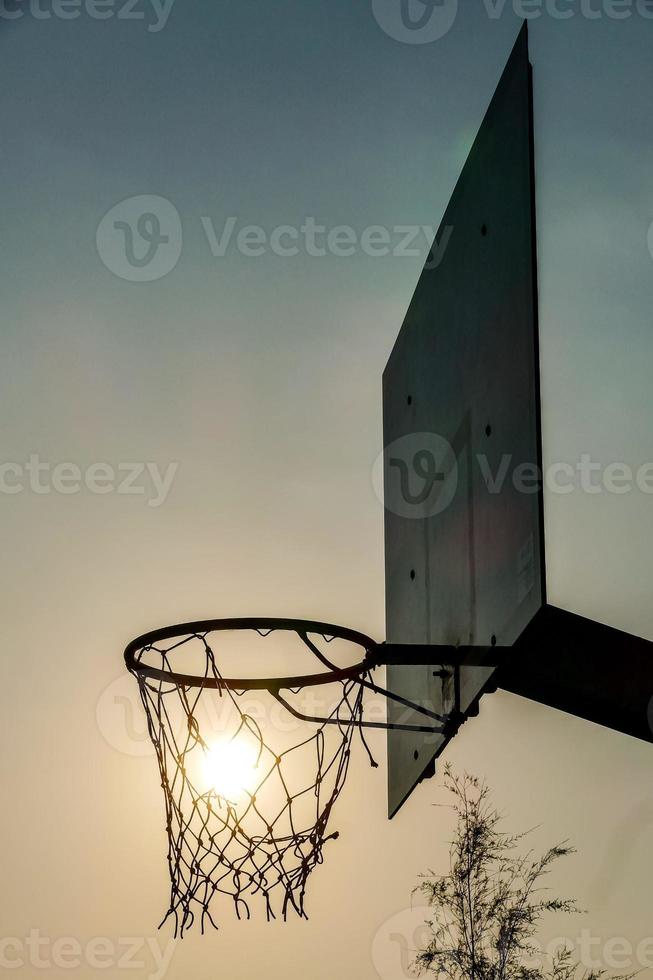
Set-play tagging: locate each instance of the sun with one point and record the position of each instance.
(230, 768)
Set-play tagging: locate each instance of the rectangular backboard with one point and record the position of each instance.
(461, 418)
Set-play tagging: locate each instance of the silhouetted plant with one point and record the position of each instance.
(487, 908)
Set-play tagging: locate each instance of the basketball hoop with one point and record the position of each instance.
(261, 839)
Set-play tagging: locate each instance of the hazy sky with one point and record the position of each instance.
(257, 379)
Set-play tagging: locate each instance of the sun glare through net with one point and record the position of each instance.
(230, 769)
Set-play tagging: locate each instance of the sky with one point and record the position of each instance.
(220, 414)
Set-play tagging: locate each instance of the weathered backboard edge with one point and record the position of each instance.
(429, 613)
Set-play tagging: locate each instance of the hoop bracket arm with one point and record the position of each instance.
(428, 654)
